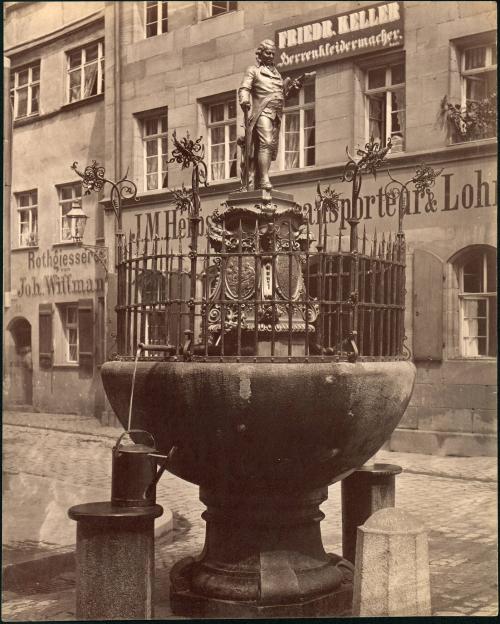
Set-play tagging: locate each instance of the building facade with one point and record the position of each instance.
(54, 290)
(384, 69)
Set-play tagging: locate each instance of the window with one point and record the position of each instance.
(68, 194)
(478, 303)
(298, 140)
(69, 313)
(222, 139)
(155, 142)
(25, 91)
(27, 211)
(218, 8)
(385, 97)
(479, 67)
(156, 18)
(86, 71)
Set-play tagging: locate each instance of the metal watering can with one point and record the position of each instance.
(133, 472)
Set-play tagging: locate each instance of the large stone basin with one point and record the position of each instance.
(266, 425)
(263, 425)
(263, 441)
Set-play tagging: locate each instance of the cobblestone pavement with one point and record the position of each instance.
(456, 498)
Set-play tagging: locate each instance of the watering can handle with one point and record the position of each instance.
(133, 431)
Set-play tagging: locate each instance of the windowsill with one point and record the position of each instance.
(82, 102)
(486, 140)
(157, 35)
(209, 17)
(21, 121)
(28, 247)
(67, 365)
(66, 244)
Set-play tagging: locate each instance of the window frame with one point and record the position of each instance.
(30, 208)
(15, 88)
(81, 67)
(227, 10)
(483, 295)
(226, 123)
(74, 199)
(160, 18)
(477, 71)
(158, 137)
(67, 327)
(388, 88)
(301, 107)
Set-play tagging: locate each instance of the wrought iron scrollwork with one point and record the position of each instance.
(94, 179)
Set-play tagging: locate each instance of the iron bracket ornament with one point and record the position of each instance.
(423, 181)
(93, 179)
(100, 254)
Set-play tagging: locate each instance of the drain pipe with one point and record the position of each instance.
(7, 188)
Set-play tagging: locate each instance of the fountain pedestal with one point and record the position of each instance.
(263, 556)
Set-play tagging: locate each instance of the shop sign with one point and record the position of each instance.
(59, 279)
(378, 27)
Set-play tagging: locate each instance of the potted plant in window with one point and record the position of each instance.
(32, 240)
(475, 120)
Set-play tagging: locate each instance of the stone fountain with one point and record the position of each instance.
(269, 368)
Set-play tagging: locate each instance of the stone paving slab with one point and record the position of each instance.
(456, 498)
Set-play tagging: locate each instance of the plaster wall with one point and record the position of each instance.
(43, 148)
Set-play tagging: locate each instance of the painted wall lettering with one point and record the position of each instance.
(58, 285)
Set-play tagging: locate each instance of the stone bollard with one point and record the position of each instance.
(365, 491)
(391, 576)
(114, 561)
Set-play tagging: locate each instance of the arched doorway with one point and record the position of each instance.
(19, 390)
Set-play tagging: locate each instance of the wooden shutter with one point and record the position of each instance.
(45, 348)
(86, 343)
(427, 306)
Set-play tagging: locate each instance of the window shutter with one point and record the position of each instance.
(86, 334)
(427, 306)
(46, 352)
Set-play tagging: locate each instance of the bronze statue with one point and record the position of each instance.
(264, 91)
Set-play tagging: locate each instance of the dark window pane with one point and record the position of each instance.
(309, 137)
(35, 73)
(309, 118)
(65, 192)
(397, 74)
(217, 113)
(293, 100)
(151, 30)
(231, 110)
(475, 57)
(310, 157)
(491, 272)
(34, 98)
(152, 14)
(309, 92)
(473, 275)
(492, 326)
(217, 135)
(91, 53)
(22, 102)
(75, 58)
(481, 346)
(376, 78)
(23, 77)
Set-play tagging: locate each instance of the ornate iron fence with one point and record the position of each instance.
(262, 285)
